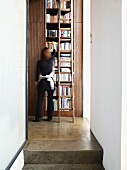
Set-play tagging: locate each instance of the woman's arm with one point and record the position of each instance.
(54, 51)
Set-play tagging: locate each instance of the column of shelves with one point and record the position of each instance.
(59, 29)
(66, 90)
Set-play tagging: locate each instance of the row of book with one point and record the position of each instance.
(65, 4)
(63, 77)
(65, 33)
(54, 18)
(51, 18)
(54, 33)
(64, 64)
(65, 103)
(62, 70)
(54, 4)
(65, 46)
(52, 45)
(51, 33)
(65, 91)
(51, 4)
(65, 60)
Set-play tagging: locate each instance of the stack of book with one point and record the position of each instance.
(51, 4)
(65, 91)
(65, 46)
(51, 18)
(51, 33)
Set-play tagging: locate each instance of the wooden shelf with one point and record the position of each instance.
(65, 66)
(65, 72)
(65, 61)
(65, 96)
(66, 109)
(65, 51)
(65, 39)
(62, 83)
(64, 19)
(67, 29)
(65, 9)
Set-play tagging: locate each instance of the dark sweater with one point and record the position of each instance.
(44, 67)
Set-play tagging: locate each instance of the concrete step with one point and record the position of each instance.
(63, 167)
(63, 152)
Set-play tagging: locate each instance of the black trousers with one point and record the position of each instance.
(40, 97)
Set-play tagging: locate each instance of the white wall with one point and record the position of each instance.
(106, 71)
(12, 78)
(86, 59)
(19, 162)
(124, 87)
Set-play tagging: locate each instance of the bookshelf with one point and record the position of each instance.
(59, 31)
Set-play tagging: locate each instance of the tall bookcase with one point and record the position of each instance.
(59, 34)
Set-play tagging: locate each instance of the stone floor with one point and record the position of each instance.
(65, 130)
(54, 145)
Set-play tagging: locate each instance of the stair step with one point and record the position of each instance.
(63, 167)
(63, 152)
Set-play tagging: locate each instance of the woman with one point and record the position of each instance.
(44, 82)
